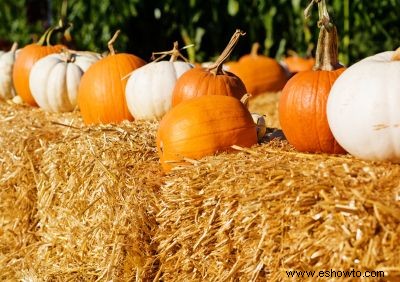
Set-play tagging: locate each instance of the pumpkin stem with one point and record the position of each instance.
(326, 57)
(245, 99)
(254, 49)
(112, 41)
(44, 38)
(60, 28)
(396, 55)
(14, 47)
(174, 53)
(69, 55)
(216, 68)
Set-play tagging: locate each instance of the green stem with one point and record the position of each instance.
(45, 37)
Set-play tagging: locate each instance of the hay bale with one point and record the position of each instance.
(77, 202)
(251, 216)
(24, 133)
(95, 205)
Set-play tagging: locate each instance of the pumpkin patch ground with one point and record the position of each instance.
(91, 203)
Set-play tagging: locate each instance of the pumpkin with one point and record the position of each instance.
(363, 108)
(54, 79)
(295, 63)
(7, 60)
(101, 94)
(149, 88)
(211, 80)
(203, 126)
(259, 73)
(27, 57)
(302, 104)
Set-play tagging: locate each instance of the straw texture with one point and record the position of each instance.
(81, 203)
(77, 202)
(251, 216)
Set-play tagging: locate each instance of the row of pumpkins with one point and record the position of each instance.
(200, 107)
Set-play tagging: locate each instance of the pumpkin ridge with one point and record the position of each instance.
(317, 97)
(120, 87)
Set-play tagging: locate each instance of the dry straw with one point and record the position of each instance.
(80, 205)
(85, 203)
(251, 216)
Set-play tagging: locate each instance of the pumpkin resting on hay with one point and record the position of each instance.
(302, 105)
(204, 126)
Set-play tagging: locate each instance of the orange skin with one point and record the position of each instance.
(260, 73)
(204, 126)
(202, 82)
(296, 64)
(29, 55)
(302, 111)
(101, 96)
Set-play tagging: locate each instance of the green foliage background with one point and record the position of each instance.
(365, 27)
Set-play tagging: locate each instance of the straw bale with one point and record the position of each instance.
(77, 202)
(82, 203)
(23, 135)
(253, 215)
(95, 205)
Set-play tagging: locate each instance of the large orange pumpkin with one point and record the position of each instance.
(101, 94)
(302, 105)
(259, 73)
(25, 60)
(212, 80)
(204, 126)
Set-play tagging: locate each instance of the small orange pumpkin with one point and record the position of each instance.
(212, 80)
(302, 105)
(295, 63)
(259, 73)
(25, 60)
(101, 94)
(204, 126)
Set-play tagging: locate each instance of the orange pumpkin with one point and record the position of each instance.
(212, 80)
(302, 105)
(101, 94)
(25, 60)
(259, 73)
(204, 126)
(295, 63)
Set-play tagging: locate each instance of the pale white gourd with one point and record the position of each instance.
(149, 88)
(54, 79)
(7, 60)
(363, 108)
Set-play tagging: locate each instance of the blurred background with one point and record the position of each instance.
(365, 27)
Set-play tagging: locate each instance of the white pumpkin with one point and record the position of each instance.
(54, 79)
(149, 88)
(363, 108)
(7, 60)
